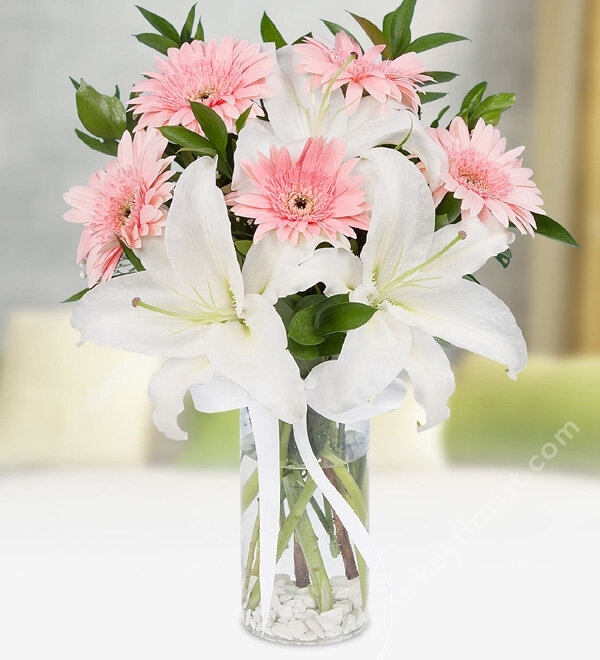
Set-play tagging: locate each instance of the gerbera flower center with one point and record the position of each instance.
(481, 176)
(300, 203)
(205, 94)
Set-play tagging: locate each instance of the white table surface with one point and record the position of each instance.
(143, 564)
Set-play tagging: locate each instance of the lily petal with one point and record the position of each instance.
(218, 395)
(368, 127)
(371, 358)
(198, 236)
(482, 241)
(168, 387)
(402, 219)
(431, 376)
(338, 269)
(105, 315)
(296, 114)
(269, 258)
(254, 355)
(468, 316)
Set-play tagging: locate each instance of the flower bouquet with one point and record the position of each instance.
(283, 226)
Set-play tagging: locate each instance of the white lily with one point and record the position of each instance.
(296, 114)
(191, 305)
(414, 277)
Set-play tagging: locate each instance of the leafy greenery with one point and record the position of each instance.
(475, 107)
(102, 115)
(270, 33)
(548, 227)
(167, 35)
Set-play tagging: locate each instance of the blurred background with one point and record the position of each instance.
(90, 403)
(103, 520)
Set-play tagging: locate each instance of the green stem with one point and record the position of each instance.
(353, 494)
(321, 586)
(285, 532)
(251, 555)
(249, 490)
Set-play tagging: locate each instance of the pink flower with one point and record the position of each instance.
(225, 77)
(123, 202)
(346, 64)
(312, 195)
(489, 180)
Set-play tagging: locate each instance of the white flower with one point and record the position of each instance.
(414, 277)
(191, 305)
(296, 114)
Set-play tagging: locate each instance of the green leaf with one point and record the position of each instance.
(303, 38)
(439, 77)
(332, 345)
(188, 26)
(103, 116)
(472, 99)
(399, 27)
(199, 36)
(552, 229)
(504, 258)
(433, 40)
(242, 246)
(334, 28)
(450, 207)
(471, 278)
(312, 300)
(156, 41)
(284, 310)
(160, 24)
(242, 119)
(186, 138)
(343, 317)
(132, 256)
(428, 97)
(302, 352)
(491, 108)
(76, 296)
(270, 33)
(374, 33)
(301, 328)
(436, 122)
(108, 147)
(212, 125)
(75, 83)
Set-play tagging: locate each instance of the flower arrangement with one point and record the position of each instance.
(281, 224)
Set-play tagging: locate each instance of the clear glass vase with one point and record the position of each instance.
(320, 588)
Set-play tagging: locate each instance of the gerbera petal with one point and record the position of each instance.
(168, 387)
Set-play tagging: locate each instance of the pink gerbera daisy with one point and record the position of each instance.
(226, 77)
(346, 64)
(489, 180)
(122, 203)
(312, 195)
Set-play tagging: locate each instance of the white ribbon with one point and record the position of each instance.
(265, 428)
